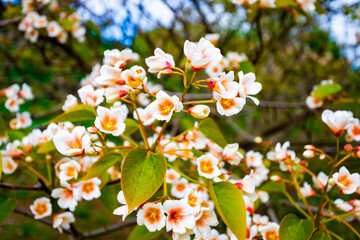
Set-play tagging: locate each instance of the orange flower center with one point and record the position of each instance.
(180, 187)
(74, 143)
(175, 215)
(165, 107)
(108, 123)
(344, 180)
(71, 171)
(88, 187)
(227, 103)
(153, 215)
(192, 200)
(206, 167)
(41, 208)
(271, 235)
(356, 130)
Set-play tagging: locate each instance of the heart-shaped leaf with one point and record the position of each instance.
(131, 127)
(142, 174)
(230, 205)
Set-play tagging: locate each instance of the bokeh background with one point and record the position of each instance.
(289, 50)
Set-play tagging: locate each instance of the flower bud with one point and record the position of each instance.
(92, 130)
(258, 139)
(309, 147)
(199, 111)
(348, 147)
(304, 163)
(309, 154)
(29, 159)
(322, 156)
(275, 178)
(357, 152)
(331, 182)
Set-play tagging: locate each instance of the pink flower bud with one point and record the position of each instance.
(309, 153)
(309, 147)
(322, 156)
(92, 130)
(348, 147)
(275, 178)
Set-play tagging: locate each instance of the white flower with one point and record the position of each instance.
(41, 208)
(134, 77)
(213, 38)
(321, 181)
(247, 186)
(235, 58)
(164, 106)
(74, 143)
(307, 5)
(145, 116)
(203, 221)
(353, 129)
(347, 182)
(199, 111)
(337, 121)
(313, 102)
(53, 29)
(68, 197)
(70, 102)
(8, 165)
(228, 107)
(88, 95)
(225, 85)
(114, 93)
(248, 86)
(110, 120)
(307, 191)
(267, 3)
(123, 210)
(62, 220)
(202, 54)
(194, 199)
(69, 170)
(89, 189)
(253, 159)
(162, 62)
(345, 206)
(208, 166)
(179, 216)
(110, 76)
(270, 231)
(12, 103)
(179, 188)
(152, 216)
(231, 154)
(172, 176)
(22, 120)
(111, 57)
(25, 92)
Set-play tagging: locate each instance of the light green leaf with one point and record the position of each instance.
(131, 127)
(230, 205)
(142, 174)
(211, 130)
(47, 147)
(7, 206)
(78, 113)
(326, 90)
(142, 233)
(102, 164)
(0, 165)
(273, 187)
(246, 67)
(294, 228)
(320, 235)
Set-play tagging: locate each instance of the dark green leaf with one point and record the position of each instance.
(7, 206)
(294, 228)
(320, 235)
(211, 130)
(273, 187)
(2, 126)
(230, 205)
(142, 174)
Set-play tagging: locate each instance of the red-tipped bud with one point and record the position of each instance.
(92, 130)
(309, 147)
(275, 178)
(348, 147)
(304, 163)
(239, 185)
(122, 93)
(322, 156)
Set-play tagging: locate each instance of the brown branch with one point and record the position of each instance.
(36, 187)
(105, 230)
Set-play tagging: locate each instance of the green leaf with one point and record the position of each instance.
(78, 113)
(102, 164)
(230, 205)
(142, 174)
(142, 233)
(0, 165)
(47, 147)
(7, 206)
(2, 126)
(320, 235)
(294, 228)
(273, 187)
(326, 90)
(211, 130)
(246, 67)
(131, 127)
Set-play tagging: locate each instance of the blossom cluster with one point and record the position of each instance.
(33, 24)
(307, 5)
